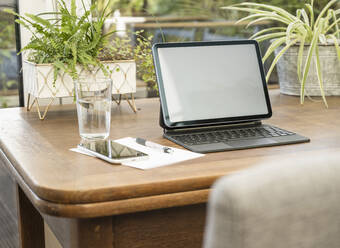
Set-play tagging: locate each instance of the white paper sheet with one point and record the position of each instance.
(156, 158)
(81, 151)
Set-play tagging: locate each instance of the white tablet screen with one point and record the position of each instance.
(209, 82)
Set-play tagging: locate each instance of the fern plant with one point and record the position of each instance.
(66, 40)
(301, 29)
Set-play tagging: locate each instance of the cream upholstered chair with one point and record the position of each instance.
(290, 204)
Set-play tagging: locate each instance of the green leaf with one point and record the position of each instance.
(311, 13)
(300, 56)
(266, 30)
(10, 11)
(291, 28)
(23, 24)
(298, 14)
(278, 56)
(318, 70)
(40, 20)
(272, 47)
(278, 10)
(333, 25)
(336, 33)
(311, 50)
(336, 26)
(250, 17)
(323, 11)
(48, 13)
(267, 18)
(305, 17)
(336, 44)
(270, 36)
(73, 8)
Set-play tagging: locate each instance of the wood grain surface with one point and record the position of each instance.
(180, 227)
(30, 223)
(39, 152)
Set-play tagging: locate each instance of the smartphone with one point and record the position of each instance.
(111, 151)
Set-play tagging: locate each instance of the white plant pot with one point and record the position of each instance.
(330, 67)
(38, 82)
(38, 79)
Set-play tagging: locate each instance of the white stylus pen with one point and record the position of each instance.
(153, 145)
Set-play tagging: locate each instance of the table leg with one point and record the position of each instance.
(78, 233)
(30, 222)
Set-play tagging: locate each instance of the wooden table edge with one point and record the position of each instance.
(55, 195)
(107, 208)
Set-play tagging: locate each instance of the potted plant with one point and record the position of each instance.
(139, 50)
(308, 46)
(67, 46)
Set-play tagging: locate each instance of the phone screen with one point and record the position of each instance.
(111, 149)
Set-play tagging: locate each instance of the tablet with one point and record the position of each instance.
(211, 83)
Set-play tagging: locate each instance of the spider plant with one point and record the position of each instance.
(303, 28)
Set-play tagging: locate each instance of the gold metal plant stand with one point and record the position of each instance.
(35, 100)
(131, 103)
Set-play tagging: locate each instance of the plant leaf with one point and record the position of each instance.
(311, 50)
(336, 44)
(300, 56)
(256, 11)
(311, 13)
(305, 17)
(278, 56)
(294, 26)
(265, 31)
(334, 24)
(337, 25)
(323, 11)
(318, 72)
(269, 17)
(278, 10)
(336, 33)
(73, 8)
(270, 36)
(250, 17)
(272, 47)
(40, 20)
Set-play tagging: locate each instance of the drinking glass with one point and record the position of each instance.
(93, 96)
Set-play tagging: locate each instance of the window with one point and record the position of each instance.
(10, 81)
(195, 20)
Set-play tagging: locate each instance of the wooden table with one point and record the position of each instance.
(71, 200)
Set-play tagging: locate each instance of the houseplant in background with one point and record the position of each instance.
(123, 48)
(66, 45)
(308, 46)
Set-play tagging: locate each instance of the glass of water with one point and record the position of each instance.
(93, 97)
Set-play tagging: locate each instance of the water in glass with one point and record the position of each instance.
(94, 108)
